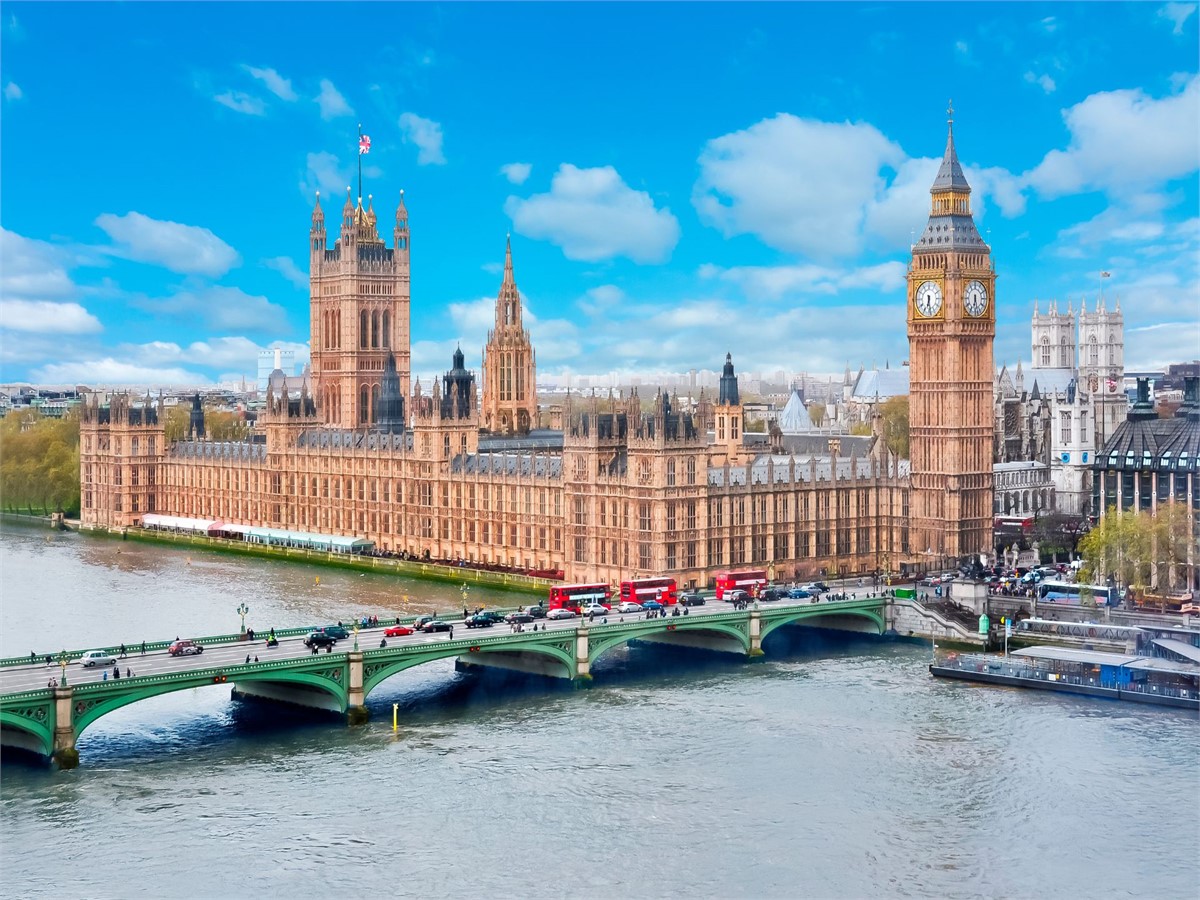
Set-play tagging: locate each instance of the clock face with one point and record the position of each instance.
(929, 298)
(975, 298)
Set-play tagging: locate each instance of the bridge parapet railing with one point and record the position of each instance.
(134, 649)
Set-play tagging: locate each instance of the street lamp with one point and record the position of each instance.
(63, 659)
(355, 635)
(242, 610)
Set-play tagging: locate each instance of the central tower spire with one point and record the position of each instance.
(509, 379)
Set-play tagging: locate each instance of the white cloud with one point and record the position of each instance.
(1157, 346)
(231, 352)
(188, 249)
(332, 103)
(1177, 14)
(1049, 24)
(110, 371)
(12, 91)
(1045, 82)
(1124, 141)
(239, 101)
(798, 184)
(426, 135)
(221, 309)
(325, 173)
(593, 215)
(600, 299)
(45, 317)
(288, 269)
(962, 51)
(773, 282)
(278, 85)
(31, 268)
(516, 172)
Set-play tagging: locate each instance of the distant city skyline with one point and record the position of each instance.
(154, 228)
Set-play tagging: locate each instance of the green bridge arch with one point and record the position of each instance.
(380, 665)
(872, 613)
(88, 711)
(26, 721)
(599, 642)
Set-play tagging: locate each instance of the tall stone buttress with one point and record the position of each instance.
(509, 367)
(951, 330)
(359, 312)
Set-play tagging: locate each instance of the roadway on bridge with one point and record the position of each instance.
(14, 679)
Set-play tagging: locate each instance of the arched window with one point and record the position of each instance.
(362, 330)
(387, 329)
(1046, 352)
(374, 330)
(1112, 349)
(374, 402)
(1064, 354)
(363, 403)
(1093, 351)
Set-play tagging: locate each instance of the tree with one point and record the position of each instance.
(1056, 533)
(895, 425)
(816, 412)
(1140, 550)
(39, 462)
(175, 423)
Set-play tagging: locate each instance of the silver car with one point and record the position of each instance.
(97, 658)
(560, 614)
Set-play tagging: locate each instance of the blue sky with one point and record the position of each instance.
(680, 180)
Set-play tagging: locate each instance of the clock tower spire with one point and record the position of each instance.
(951, 329)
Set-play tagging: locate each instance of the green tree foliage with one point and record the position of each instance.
(39, 462)
(175, 422)
(895, 425)
(225, 426)
(816, 412)
(1140, 550)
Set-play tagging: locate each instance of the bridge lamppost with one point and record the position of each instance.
(63, 659)
(242, 610)
(355, 635)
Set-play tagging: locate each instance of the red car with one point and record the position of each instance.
(397, 631)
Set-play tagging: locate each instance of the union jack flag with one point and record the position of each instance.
(1110, 384)
(364, 144)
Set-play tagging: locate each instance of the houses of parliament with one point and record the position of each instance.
(619, 487)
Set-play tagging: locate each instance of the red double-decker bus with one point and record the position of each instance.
(751, 581)
(572, 596)
(639, 590)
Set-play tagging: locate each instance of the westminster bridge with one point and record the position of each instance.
(44, 708)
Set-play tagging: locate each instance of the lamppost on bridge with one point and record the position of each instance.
(63, 659)
(355, 635)
(242, 610)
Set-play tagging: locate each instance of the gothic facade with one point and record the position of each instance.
(627, 487)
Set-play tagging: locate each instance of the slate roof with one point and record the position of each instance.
(777, 467)
(219, 450)
(514, 464)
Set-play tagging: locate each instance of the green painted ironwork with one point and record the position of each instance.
(732, 624)
(379, 665)
(31, 712)
(868, 608)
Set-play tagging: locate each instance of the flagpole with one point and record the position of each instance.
(360, 156)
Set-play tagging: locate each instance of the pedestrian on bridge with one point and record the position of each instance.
(128, 672)
(451, 632)
(123, 654)
(143, 648)
(47, 659)
(247, 659)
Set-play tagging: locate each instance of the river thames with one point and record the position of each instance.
(835, 768)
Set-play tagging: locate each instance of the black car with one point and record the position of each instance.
(479, 621)
(523, 618)
(494, 617)
(772, 594)
(319, 640)
(436, 625)
(692, 600)
(538, 612)
(337, 632)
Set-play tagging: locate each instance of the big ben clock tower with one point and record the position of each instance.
(951, 328)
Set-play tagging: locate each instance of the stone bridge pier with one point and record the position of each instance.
(356, 708)
(63, 751)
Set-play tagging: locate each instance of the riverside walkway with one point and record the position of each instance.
(48, 719)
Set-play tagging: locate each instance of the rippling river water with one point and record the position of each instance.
(832, 769)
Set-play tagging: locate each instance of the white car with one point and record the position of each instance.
(595, 609)
(560, 614)
(629, 606)
(97, 658)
